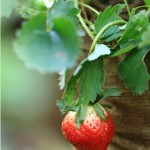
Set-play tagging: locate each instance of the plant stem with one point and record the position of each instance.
(89, 23)
(127, 6)
(83, 23)
(85, 26)
(102, 31)
(89, 7)
(76, 3)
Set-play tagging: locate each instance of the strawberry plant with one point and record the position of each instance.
(52, 39)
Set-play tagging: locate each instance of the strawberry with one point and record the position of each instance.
(94, 133)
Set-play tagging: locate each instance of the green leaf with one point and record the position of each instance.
(100, 50)
(147, 2)
(134, 30)
(98, 108)
(132, 34)
(134, 9)
(145, 38)
(80, 116)
(110, 14)
(111, 34)
(7, 7)
(78, 70)
(81, 71)
(133, 71)
(48, 51)
(61, 8)
(91, 80)
(70, 91)
(111, 92)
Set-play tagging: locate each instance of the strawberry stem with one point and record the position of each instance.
(127, 6)
(89, 7)
(83, 22)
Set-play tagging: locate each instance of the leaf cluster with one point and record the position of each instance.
(49, 41)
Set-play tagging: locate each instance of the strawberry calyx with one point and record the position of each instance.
(81, 110)
(80, 106)
(94, 133)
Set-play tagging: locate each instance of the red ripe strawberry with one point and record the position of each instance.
(94, 133)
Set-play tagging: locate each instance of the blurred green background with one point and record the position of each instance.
(30, 118)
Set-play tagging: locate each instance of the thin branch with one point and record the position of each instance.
(85, 26)
(127, 6)
(89, 7)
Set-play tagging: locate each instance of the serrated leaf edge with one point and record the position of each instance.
(138, 93)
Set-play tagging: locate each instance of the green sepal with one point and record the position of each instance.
(99, 109)
(81, 114)
(98, 98)
(63, 108)
(106, 105)
(61, 105)
(111, 92)
(105, 94)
